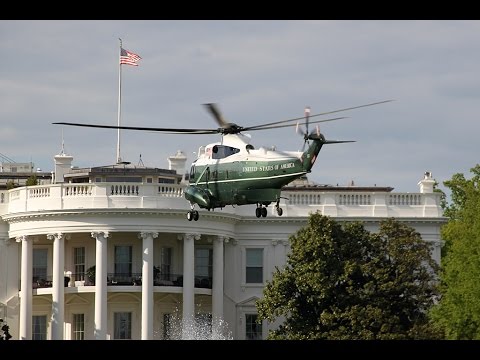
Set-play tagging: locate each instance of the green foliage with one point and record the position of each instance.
(32, 180)
(347, 283)
(90, 274)
(458, 312)
(10, 185)
(443, 196)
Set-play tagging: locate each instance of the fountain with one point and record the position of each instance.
(201, 327)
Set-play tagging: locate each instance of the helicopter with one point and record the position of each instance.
(233, 172)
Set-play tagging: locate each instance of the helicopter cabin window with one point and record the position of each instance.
(223, 151)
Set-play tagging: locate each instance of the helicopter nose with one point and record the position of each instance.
(197, 195)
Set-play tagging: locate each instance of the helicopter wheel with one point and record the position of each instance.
(190, 216)
(264, 211)
(279, 211)
(258, 212)
(195, 215)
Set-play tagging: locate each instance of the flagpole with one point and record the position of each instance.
(119, 159)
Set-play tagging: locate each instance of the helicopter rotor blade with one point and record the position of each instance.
(307, 116)
(299, 130)
(226, 127)
(217, 115)
(166, 130)
(288, 125)
(315, 115)
(188, 131)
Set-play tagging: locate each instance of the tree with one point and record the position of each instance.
(347, 283)
(10, 185)
(32, 180)
(458, 311)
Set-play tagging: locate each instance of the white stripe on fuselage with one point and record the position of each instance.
(250, 179)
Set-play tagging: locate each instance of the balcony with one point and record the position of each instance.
(47, 282)
(131, 279)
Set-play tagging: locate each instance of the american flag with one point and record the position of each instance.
(128, 57)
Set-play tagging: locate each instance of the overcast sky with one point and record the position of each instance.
(257, 72)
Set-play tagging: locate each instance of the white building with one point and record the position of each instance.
(151, 264)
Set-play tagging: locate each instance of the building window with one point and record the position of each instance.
(166, 263)
(254, 266)
(134, 179)
(79, 263)
(203, 267)
(123, 261)
(40, 257)
(149, 181)
(253, 330)
(39, 327)
(78, 327)
(123, 325)
(167, 326)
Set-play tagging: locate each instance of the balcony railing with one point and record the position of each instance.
(299, 202)
(118, 279)
(47, 282)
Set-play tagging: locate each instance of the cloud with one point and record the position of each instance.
(258, 71)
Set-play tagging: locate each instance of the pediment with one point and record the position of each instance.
(124, 298)
(167, 298)
(75, 299)
(249, 302)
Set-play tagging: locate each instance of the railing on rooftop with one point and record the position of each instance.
(171, 196)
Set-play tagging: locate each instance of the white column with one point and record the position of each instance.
(217, 283)
(147, 284)
(188, 281)
(58, 287)
(100, 329)
(26, 288)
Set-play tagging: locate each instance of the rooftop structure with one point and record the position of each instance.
(106, 252)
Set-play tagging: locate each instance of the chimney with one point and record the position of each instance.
(177, 162)
(63, 163)
(426, 184)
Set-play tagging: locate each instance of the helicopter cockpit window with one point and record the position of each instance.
(222, 151)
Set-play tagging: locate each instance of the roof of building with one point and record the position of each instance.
(119, 169)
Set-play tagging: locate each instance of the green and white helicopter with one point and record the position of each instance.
(233, 172)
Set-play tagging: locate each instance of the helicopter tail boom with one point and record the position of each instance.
(310, 155)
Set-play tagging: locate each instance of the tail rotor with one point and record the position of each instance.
(299, 130)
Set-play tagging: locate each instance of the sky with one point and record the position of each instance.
(256, 71)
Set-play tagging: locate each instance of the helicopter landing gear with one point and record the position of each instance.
(192, 215)
(260, 211)
(278, 208)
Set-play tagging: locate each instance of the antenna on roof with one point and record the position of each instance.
(63, 145)
(140, 162)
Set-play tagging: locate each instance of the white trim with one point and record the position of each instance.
(251, 179)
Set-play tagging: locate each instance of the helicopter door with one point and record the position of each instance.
(192, 173)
